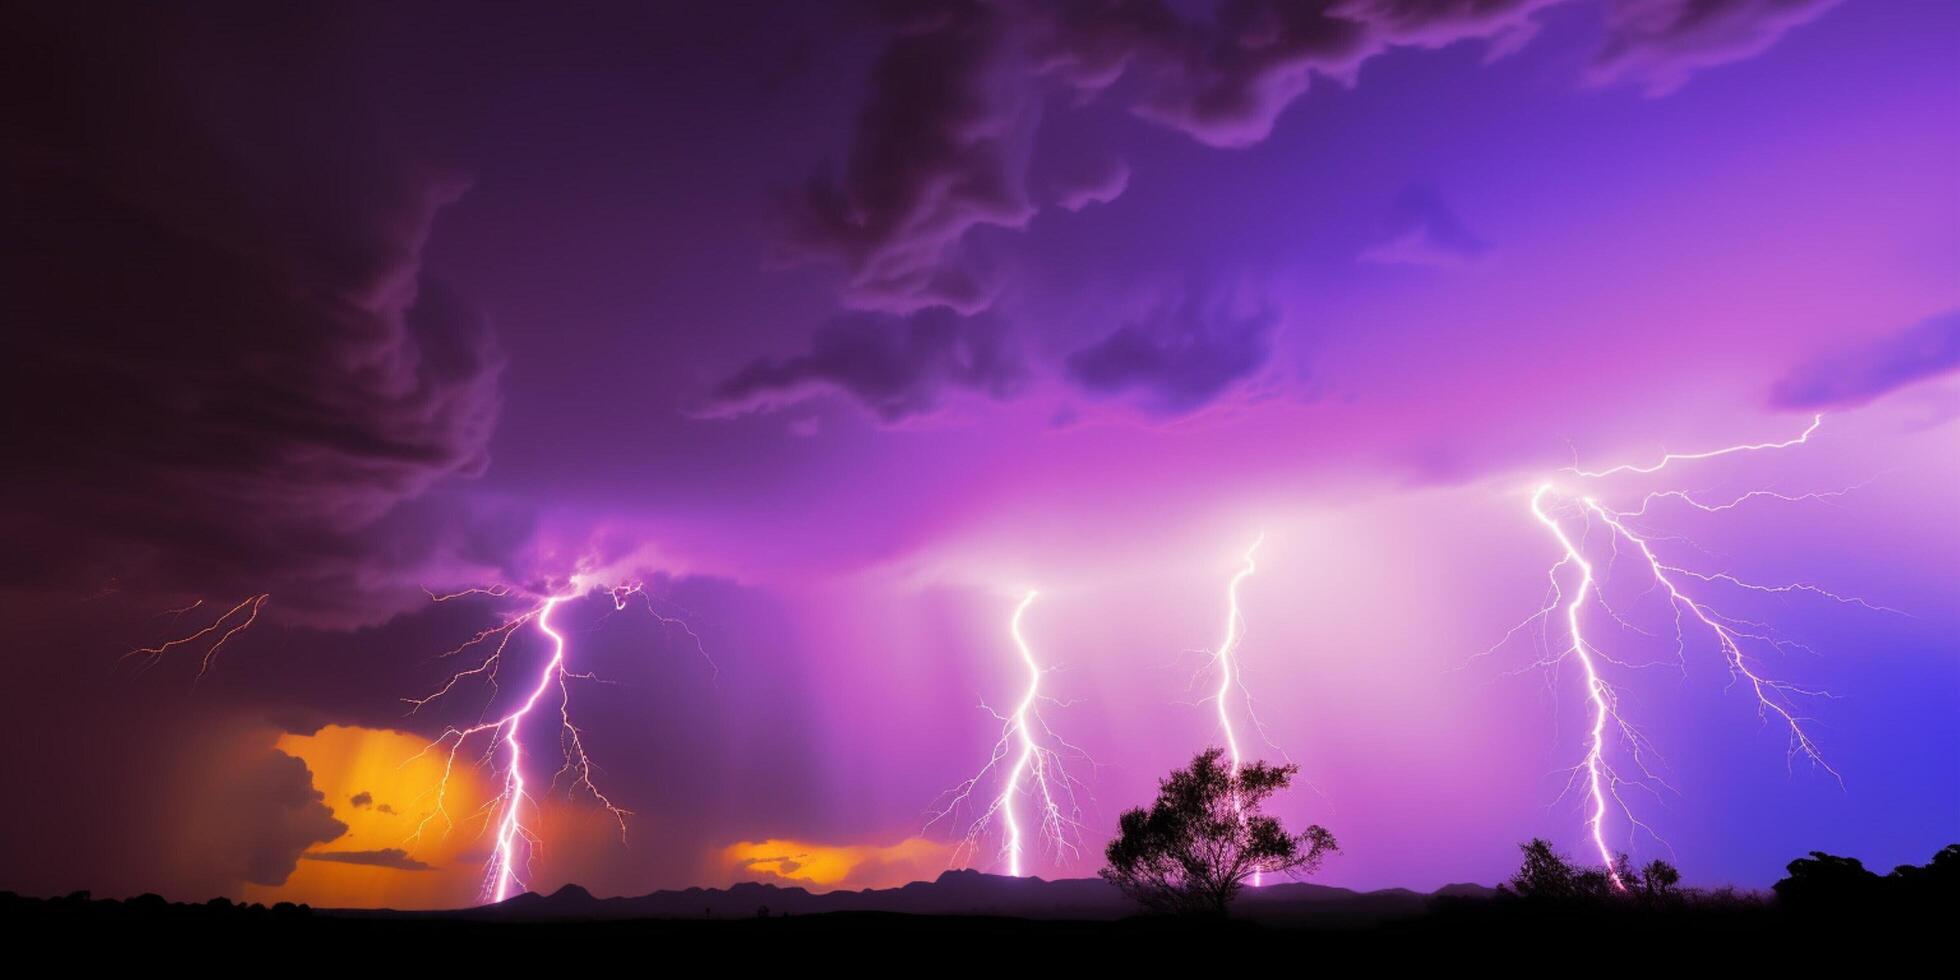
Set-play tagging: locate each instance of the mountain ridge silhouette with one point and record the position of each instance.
(954, 892)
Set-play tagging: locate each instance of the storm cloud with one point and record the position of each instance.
(941, 144)
(1857, 375)
(1660, 44)
(896, 367)
(220, 339)
(1179, 359)
(939, 150)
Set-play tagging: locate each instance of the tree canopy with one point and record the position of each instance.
(1548, 875)
(1193, 849)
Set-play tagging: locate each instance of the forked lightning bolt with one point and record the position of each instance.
(1573, 519)
(1231, 676)
(241, 617)
(515, 842)
(1037, 771)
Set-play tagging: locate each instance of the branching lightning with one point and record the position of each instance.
(1231, 675)
(1575, 520)
(1037, 770)
(516, 842)
(249, 608)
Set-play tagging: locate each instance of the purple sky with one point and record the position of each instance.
(843, 325)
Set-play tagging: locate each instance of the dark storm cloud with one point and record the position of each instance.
(392, 857)
(220, 341)
(1179, 360)
(942, 142)
(361, 800)
(1225, 81)
(265, 816)
(1858, 375)
(1658, 44)
(897, 367)
(1423, 230)
(939, 150)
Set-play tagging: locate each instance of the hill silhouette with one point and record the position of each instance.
(953, 893)
(968, 913)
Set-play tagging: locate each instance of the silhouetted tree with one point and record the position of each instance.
(1942, 872)
(1825, 877)
(1660, 880)
(1195, 847)
(1827, 880)
(1547, 875)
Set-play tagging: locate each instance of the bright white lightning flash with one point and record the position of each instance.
(502, 873)
(1230, 675)
(1038, 756)
(1561, 512)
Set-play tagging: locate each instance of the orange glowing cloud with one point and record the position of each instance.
(837, 866)
(382, 786)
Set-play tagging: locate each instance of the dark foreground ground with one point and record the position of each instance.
(1468, 934)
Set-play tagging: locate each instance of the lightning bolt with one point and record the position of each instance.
(1573, 520)
(250, 606)
(516, 842)
(1230, 676)
(1038, 763)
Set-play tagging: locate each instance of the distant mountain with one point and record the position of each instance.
(953, 893)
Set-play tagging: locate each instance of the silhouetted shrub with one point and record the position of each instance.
(1830, 880)
(1196, 846)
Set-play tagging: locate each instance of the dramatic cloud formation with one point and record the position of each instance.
(942, 144)
(1179, 359)
(257, 821)
(897, 367)
(1226, 81)
(939, 150)
(224, 363)
(1853, 377)
(391, 857)
(1660, 44)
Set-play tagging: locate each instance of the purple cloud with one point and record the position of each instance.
(1852, 377)
(897, 367)
(1178, 360)
(1225, 81)
(227, 363)
(1660, 44)
(939, 150)
(942, 143)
